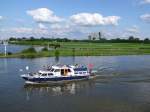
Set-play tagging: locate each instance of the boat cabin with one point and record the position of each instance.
(64, 71)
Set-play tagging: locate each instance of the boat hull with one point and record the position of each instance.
(54, 80)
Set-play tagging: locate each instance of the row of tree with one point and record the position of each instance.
(130, 39)
(40, 39)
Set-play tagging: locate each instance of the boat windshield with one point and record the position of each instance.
(57, 70)
(49, 68)
(30, 74)
(39, 73)
(80, 69)
(52, 70)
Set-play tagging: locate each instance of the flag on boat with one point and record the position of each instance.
(90, 66)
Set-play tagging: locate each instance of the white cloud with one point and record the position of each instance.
(93, 19)
(59, 26)
(71, 27)
(44, 15)
(1, 17)
(26, 30)
(40, 32)
(56, 26)
(21, 30)
(57, 30)
(134, 29)
(145, 17)
(67, 30)
(61, 29)
(42, 26)
(145, 2)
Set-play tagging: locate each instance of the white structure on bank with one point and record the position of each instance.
(5, 43)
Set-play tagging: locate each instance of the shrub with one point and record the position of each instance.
(44, 49)
(9, 53)
(29, 50)
(57, 53)
(1, 54)
(27, 56)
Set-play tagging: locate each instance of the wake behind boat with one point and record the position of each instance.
(59, 73)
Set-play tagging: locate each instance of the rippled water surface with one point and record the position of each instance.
(17, 48)
(122, 85)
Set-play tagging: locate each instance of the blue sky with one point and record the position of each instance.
(74, 18)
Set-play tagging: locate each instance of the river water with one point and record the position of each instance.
(17, 48)
(122, 85)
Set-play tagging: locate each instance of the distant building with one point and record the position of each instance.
(100, 35)
(95, 36)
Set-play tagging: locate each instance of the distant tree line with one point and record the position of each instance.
(130, 39)
(40, 39)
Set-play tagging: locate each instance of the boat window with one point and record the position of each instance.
(69, 70)
(57, 70)
(49, 69)
(80, 69)
(40, 73)
(52, 69)
(62, 71)
(44, 74)
(30, 74)
(76, 72)
(66, 70)
(50, 74)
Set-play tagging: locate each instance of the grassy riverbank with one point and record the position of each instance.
(84, 49)
(82, 52)
(82, 44)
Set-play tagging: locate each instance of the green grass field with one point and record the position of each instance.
(85, 49)
(85, 44)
